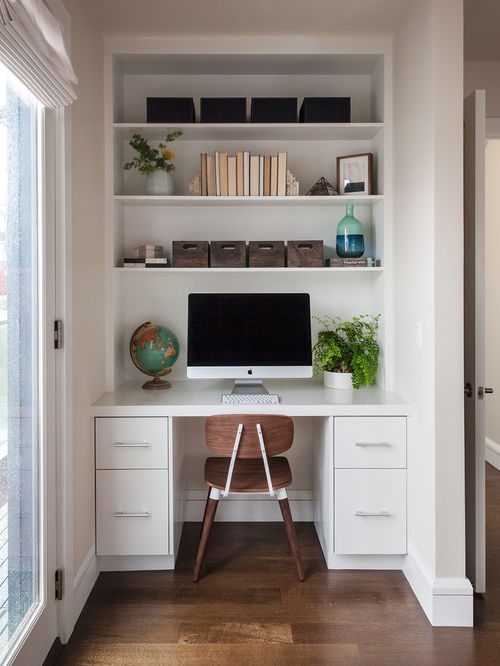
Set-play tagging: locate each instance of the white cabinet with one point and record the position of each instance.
(370, 485)
(132, 512)
(370, 511)
(131, 443)
(132, 486)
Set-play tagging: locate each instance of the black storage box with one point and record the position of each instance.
(274, 110)
(223, 110)
(325, 110)
(170, 110)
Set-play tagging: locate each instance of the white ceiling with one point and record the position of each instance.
(249, 17)
(482, 29)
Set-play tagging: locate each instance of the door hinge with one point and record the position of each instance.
(58, 334)
(59, 584)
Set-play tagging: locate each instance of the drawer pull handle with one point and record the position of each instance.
(363, 514)
(129, 514)
(131, 445)
(371, 444)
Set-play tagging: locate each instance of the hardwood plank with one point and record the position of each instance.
(126, 623)
(235, 632)
(213, 655)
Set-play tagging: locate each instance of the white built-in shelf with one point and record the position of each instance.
(341, 200)
(255, 131)
(280, 269)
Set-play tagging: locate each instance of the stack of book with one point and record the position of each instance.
(244, 175)
(146, 256)
(369, 262)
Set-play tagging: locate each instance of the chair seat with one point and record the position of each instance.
(249, 475)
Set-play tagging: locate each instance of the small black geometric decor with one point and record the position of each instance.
(322, 188)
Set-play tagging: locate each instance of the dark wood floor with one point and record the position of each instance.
(249, 608)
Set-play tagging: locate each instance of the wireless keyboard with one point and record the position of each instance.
(250, 399)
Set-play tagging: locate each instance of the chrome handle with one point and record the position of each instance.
(130, 514)
(130, 445)
(371, 444)
(363, 514)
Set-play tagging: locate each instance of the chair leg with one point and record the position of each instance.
(205, 533)
(205, 512)
(292, 537)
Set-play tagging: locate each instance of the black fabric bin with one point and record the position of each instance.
(274, 110)
(325, 110)
(223, 110)
(170, 110)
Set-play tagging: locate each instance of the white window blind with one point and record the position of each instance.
(32, 47)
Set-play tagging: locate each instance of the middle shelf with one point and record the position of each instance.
(341, 200)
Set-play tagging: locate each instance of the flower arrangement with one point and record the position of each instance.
(348, 346)
(149, 159)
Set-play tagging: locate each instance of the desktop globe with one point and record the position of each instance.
(154, 350)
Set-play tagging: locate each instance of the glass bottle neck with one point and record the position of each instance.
(349, 210)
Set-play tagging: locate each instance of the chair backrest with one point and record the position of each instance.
(221, 429)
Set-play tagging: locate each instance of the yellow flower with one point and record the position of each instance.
(168, 154)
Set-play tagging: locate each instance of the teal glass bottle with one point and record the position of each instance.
(350, 239)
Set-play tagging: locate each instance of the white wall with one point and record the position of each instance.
(427, 265)
(87, 264)
(492, 298)
(484, 75)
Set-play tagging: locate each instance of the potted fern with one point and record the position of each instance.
(156, 163)
(347, 351)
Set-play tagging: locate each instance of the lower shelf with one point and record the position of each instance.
(281, 269)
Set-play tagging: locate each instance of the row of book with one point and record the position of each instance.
(244, 175)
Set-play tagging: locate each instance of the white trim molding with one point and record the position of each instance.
(447, 602)
(492, 453)
(84, 581)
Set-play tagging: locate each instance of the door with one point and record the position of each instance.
(474, 354)
(27, 379)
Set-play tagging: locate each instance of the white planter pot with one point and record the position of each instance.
(159, 182)
(337, 380)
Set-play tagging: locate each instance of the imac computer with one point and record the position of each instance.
(249, 337)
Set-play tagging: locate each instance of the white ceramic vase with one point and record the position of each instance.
(337, 380)
(159, 182)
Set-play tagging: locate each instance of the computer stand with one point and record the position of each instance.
(249, 387)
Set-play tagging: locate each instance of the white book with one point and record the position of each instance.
(217, 173)
(261, 175)
(246, 174)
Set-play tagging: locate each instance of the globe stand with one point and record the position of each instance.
(157, 384)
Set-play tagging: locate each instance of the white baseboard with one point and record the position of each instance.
(492, 453)
(84, 581)
(257, 507)
(447, 602)
(136, 562)
(365, 562)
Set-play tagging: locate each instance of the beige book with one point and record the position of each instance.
(239, 174)
(223, 174)
(254, 175)
(211, 188)
(274, 176)
(282, 174)
(204, 189)
(267, 175)
(231, 176)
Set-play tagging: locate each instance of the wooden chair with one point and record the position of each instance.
(248, 442)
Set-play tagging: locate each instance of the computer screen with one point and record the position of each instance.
(249, 335)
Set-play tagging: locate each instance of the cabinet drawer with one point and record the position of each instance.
(132, 512)
(370, 511)
(370, 441)
(131, 443)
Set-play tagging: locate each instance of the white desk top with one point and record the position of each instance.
(298, 397)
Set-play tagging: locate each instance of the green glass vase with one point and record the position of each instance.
(350, 238)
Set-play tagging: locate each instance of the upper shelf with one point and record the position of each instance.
(255, 131)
